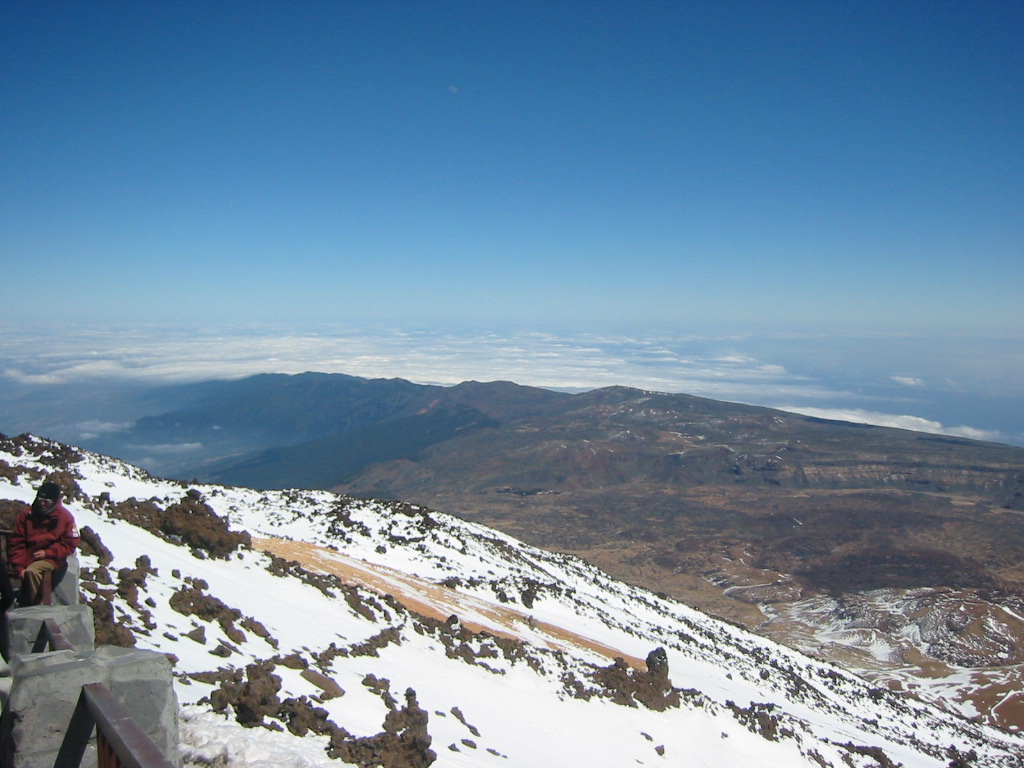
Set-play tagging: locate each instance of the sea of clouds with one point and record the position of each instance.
(964, 387)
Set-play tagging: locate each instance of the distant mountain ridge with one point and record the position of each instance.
(272, 411)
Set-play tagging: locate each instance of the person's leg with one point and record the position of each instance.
(32, 582)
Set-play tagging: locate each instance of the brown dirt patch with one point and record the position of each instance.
(437, 602)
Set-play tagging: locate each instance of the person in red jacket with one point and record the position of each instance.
(44, 536)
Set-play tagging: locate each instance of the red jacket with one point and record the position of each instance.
(56, 534)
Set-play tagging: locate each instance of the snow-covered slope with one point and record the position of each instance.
(366, 664)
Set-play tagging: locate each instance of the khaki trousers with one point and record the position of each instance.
(32, 581)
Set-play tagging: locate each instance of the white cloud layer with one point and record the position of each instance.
(13, 374)
(91, 429)
(544, 360)
(834, 378)
(915, 423)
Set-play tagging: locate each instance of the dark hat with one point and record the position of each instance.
(49, 490)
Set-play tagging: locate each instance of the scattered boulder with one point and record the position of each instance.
(9, 511)
(330, 688)
(627, 686)
(252, 698)
(90, 544)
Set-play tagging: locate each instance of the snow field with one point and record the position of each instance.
(519, 712)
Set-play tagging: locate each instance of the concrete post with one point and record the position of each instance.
(22, 626)
(47, 724)
(65, 592)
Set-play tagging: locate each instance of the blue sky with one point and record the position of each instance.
(807, 204)
(572, 165)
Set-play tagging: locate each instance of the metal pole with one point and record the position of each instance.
(58, 642)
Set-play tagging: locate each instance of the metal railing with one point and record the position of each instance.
(120, 742)
(51, 638)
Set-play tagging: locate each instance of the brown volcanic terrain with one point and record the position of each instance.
(749, 513)
(671, 491)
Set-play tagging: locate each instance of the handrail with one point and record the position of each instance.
(120, 742)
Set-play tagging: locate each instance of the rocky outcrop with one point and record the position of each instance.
(251, 693)
(403, 743)
(189, 521)
(629, 687)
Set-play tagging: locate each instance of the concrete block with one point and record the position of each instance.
(66, 590)
(142, 681)
(22, 626)
(47, 724)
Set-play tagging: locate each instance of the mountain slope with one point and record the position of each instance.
(860, 544)
(338, 458)
(349, 670)
(218, 419)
